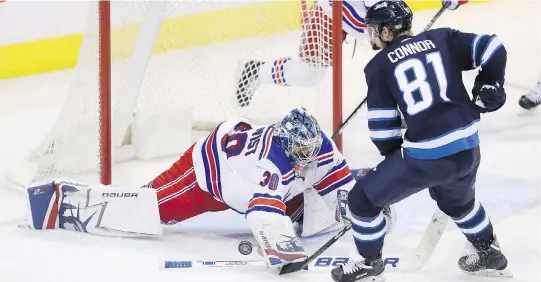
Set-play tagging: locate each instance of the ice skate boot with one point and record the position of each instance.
(248, 81)
(530, 100)
(365, 270)
(489, 262)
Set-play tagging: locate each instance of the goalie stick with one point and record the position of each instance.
(413, 262)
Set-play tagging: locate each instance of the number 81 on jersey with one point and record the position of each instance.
(419, 83)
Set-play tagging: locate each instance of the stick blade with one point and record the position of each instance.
(292, 267)
(430, 240)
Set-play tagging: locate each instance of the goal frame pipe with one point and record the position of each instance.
(104, 14)
(337, 41)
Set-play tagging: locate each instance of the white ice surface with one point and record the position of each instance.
(509, 183)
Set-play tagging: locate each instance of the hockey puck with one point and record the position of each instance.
(245, 247)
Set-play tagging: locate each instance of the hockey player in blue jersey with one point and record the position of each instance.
(420, 76)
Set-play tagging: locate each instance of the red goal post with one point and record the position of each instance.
(153, 76)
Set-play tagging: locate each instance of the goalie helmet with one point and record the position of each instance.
(300, 136)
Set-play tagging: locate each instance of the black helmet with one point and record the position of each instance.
(395, 15)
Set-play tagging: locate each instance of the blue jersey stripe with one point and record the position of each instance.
(217, 161)
(454, 147)
(265, 195)
(327, 161)
(207, 167)
(279, 158)
(265, 209)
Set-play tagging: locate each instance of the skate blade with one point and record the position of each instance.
(491, 273)
(527, 113)
(372, 279)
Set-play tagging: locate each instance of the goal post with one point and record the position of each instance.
(105, 93)
(154, 76)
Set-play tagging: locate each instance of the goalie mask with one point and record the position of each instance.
(300, 136)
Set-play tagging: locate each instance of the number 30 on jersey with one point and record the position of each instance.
(270, 180)
(419, 83)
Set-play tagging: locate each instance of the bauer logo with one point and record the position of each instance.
(119, 195)
(336, 261)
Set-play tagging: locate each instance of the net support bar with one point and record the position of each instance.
(135, 73)
(337, 68)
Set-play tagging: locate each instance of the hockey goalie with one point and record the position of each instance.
(263, 173)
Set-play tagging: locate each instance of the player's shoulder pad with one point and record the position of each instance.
(438, 34)
(373, 65)
(326, 153)
(276, 156)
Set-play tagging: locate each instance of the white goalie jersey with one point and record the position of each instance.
(353, 15)
(241, 166)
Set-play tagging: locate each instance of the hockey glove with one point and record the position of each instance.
(488, 97)
(279, 243)
(453, 4)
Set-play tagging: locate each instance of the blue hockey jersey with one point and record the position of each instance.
(422, 77)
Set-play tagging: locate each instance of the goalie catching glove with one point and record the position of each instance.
(279, 243)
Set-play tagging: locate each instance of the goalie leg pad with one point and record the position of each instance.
(43, 206)
(93, 209)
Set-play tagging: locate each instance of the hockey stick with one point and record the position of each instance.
(296, 266)
(428, 243)
(344, 123)
(174, 264)
(435, 18)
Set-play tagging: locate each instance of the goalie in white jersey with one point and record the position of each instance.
(255, 171)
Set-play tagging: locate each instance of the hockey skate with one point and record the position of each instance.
(489, 262)
(248, 81)
(359, 270)
(530, 100)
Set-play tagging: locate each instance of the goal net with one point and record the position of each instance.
(174, 65)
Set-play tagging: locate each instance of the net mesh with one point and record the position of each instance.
(197, 50)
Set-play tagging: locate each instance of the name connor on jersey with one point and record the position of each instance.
(410, 49)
